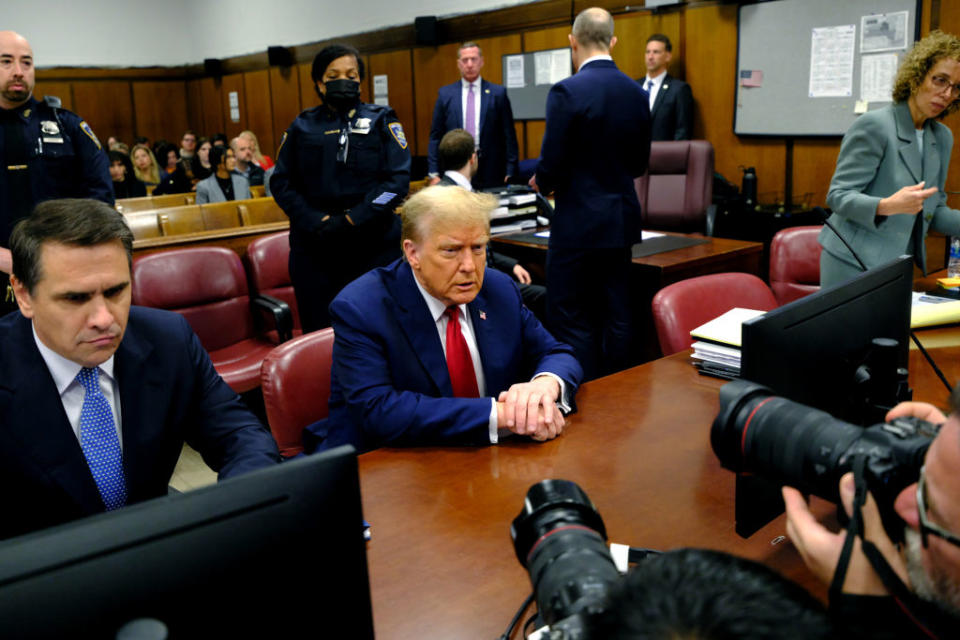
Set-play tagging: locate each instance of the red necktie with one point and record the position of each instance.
(459, 362)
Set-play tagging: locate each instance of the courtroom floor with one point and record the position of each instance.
(191, 471)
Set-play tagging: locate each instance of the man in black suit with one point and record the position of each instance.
(97, 397)
(670, 99)
(597, 140)
(459, 161)
(483, 109)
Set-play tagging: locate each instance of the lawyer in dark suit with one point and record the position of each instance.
(492, 124)
(888, 188)
(398, 378)
(670, 99)
(597, 140)
(72, 280)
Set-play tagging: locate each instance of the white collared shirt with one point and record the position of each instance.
(460, 179)
(464, 93)
(64, 373)
(655, 89)
(438, 313)
(599, 56)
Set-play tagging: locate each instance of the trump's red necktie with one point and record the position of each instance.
(459, 362)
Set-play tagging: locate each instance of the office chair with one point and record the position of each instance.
(795, 263)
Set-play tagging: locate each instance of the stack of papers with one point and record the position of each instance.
(716, 350)
(931, 310)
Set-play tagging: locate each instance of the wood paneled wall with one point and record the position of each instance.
(163, 102)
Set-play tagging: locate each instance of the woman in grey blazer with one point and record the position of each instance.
(888, 187)
(224, 183)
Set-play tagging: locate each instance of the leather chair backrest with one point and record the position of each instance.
(795, 263)
(207, 285)
(268, 265)
(683, 306)
(678, 187)
(295, 380)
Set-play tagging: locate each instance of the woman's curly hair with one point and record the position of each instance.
(918, 62)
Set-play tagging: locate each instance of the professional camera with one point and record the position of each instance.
(791, 444)
(560, 539)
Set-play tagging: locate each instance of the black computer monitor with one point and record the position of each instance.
(278, 553)
(809, 350)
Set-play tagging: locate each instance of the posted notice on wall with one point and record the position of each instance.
(515, 79)
(551, 66)
(831, 61)
(380, 90)
(877, 73)
(234, 100)
(883, 32)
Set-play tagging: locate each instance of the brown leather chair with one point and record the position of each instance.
(677, 189)
(207, 285)
(683, 306)
(268, 265)
(795, 263)
(295, 380)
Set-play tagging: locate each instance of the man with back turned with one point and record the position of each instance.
(597, 141)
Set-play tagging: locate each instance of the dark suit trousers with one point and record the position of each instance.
(589, 306)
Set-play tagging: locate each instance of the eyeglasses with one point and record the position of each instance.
(943, 82)
(927, 527)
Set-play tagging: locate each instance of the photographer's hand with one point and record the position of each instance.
(821, 548)
(920, 410)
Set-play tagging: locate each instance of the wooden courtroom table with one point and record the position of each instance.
(441, 560)
(654, 272)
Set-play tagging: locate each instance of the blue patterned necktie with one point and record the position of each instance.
(99, 441)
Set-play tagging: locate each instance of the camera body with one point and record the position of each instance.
(788, 443)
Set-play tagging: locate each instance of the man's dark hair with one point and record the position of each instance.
(73, 222)
(218, 137)
(697, 593)
(144, 140)
(189, 132)
(216, 156)
(659, 37)
(330, 53)
(456, 148)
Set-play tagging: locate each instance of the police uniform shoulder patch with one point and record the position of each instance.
(397, 130)
(90, 134)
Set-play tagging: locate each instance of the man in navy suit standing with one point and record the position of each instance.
(670, 99)
(434, 349)
(597, 140)
(483, 109)
(97, 397)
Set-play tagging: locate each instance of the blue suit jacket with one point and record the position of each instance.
(878, 156)
(596, 142)
(169, 393)
(498, 138)
(672, 115)
(390, 383)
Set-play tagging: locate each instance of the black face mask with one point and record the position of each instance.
(342, 94)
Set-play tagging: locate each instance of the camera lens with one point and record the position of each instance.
(560, 538)
(780, 440)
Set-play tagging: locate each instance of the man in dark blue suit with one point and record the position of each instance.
(96, 397)
(434, 349)
(597, 140)
(670, 99)
(483, 109)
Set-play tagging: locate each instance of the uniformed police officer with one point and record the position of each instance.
(342, 169)
(47, 152)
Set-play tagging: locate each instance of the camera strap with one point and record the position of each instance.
(924, 615)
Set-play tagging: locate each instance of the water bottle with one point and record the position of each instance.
(953, 266)
(749, 186)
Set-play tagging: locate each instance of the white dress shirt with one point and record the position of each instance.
(655, 89)
(460, 179)
(64, 373)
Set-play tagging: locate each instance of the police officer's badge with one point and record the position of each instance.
(397, 130)
(90, 134)
(50, 131)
